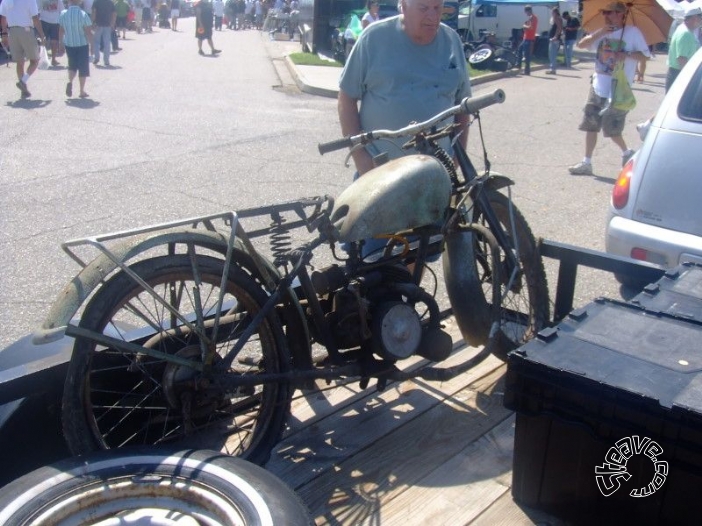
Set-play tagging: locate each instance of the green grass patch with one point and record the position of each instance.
(311, 59)
(475, 73)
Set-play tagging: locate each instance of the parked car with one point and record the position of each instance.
(655, 213)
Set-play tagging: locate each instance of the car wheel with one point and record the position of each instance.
(151, 486)
(482, 58)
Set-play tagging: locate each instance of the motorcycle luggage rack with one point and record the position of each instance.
(116, 253)
(229, 219)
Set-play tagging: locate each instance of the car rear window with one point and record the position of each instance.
(690, 107)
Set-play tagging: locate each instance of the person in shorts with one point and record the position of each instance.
(20, 18)
(75, 31)
(613, 44)
(175, 14)
(122, 11)
(49, 11)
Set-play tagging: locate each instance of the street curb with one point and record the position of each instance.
(304, 85)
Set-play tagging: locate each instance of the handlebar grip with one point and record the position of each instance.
(474, 104)
(332, 146)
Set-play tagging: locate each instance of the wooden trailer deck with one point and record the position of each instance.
(420, 452)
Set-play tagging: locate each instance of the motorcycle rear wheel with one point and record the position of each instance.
(525, 300)
(116, 397)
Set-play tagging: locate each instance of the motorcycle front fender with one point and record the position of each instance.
(497, 181)
(461, 275)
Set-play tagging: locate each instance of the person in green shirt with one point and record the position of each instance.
(122, 10)
(683, 45)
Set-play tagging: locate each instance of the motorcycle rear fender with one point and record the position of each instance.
(82, 286)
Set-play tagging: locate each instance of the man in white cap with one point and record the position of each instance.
(683, 45)
(20, 18)
(614, 43)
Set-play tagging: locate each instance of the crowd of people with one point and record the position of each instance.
(369, 79)
(89, 30)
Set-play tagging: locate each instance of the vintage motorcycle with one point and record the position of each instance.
(193, 334)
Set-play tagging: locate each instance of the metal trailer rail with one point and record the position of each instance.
(572, 257)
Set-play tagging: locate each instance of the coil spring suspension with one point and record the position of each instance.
(280, 239)
(445, 159)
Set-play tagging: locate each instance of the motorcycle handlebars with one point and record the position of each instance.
(468, 106)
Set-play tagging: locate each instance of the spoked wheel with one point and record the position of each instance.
(525, 301)
(151, 486)
(119, 395)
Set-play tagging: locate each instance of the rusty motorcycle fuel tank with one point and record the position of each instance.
(399, 195)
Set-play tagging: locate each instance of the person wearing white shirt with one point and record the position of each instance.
(372, 14)
(19, 17)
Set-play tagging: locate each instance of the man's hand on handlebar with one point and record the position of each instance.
(363, 160)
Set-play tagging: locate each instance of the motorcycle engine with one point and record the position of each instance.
(397, 330)
(369, 312)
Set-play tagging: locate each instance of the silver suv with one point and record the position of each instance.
(656, 209)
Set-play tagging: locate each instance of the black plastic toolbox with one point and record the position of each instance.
(610, 375)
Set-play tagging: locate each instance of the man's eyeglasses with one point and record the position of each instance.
(606, 13)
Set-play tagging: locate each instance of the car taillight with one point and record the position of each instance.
(620, 194)
(643, 254)
(639, 253)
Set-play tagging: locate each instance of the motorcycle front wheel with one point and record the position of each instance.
(151, 486)
(118, 395)
(525, 300)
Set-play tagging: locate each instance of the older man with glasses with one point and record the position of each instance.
(402, 69)
(614, 44)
